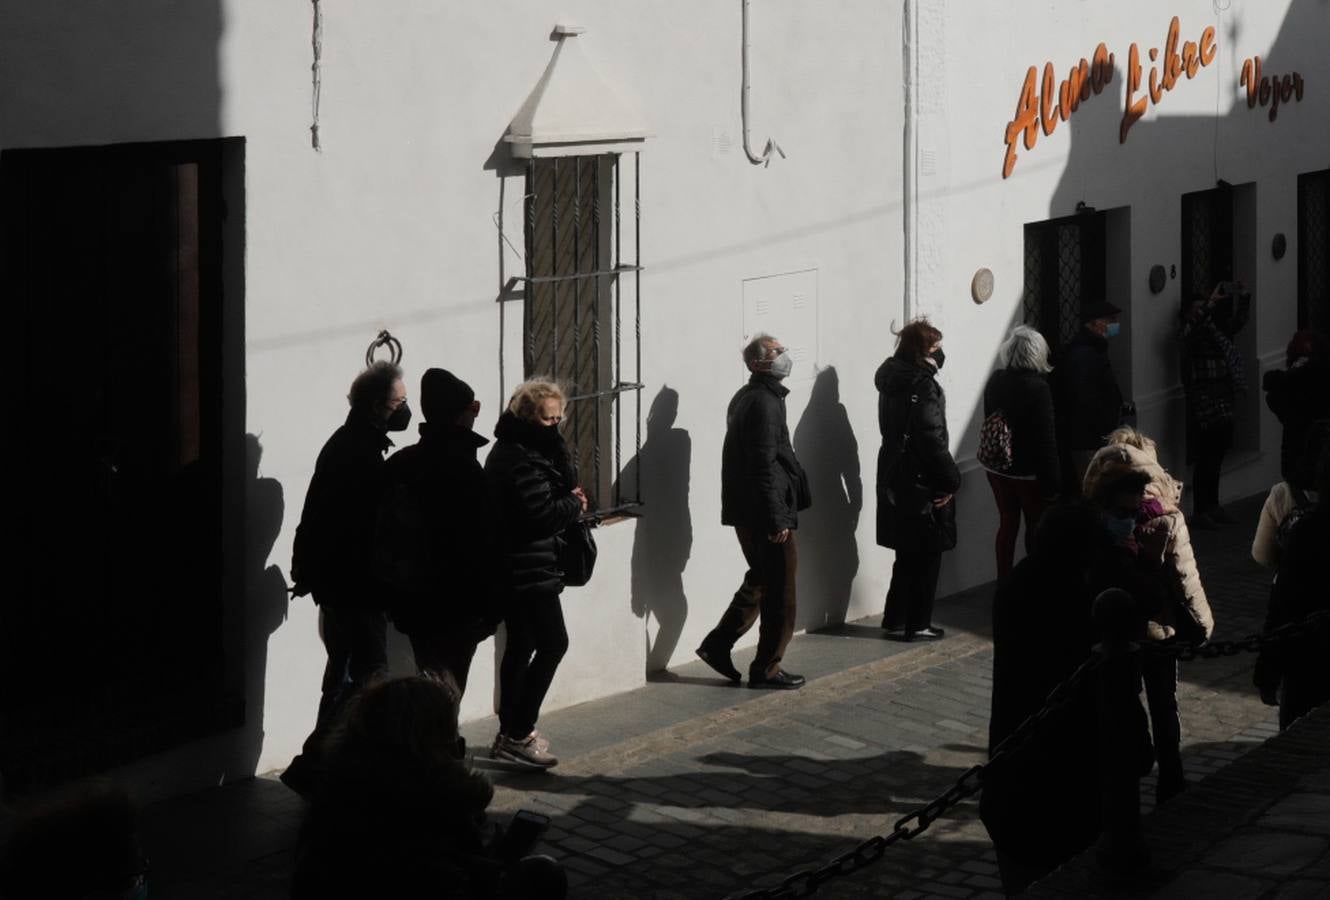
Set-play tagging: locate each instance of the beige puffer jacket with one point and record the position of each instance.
(1164, 540)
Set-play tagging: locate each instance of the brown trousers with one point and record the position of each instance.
(768, 594)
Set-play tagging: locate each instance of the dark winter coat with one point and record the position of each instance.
(762, 484)
(1301, 666)
(333, 556)
(437, 543)
(914, 465)
(1085, 393)
(531, 474)
(1298, 396)
(1026, 402)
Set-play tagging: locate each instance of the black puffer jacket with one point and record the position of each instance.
(762, 485)
(1298, 396)
(333, 554)
(531, 474)
(437, 543)
(914, 465)
(1086, 393)
(1026, 402)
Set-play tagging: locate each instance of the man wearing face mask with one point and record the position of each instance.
(333, 557)
(763, 487)
(1086, 397)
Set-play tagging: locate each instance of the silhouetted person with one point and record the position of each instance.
(438, 533)
(1296, 674)
(1299, 395)
(1019, 391)
(762, 490)
(402, 815)
(1212, 376)
(79, 842)
(265, 589)
(1041, 806)
(663, 540)
(333, 557)
(533, 477)
(1291, 497)
(827, 448)
(1086, 395)
(916, 479)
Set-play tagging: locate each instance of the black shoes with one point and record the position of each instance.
(781, 681)
(720, 661)
(931, 633)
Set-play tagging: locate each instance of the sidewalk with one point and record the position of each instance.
(689, 787)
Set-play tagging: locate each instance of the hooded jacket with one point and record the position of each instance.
(1164, 541)
(914, 465)
(1298, 396)
(531, 476)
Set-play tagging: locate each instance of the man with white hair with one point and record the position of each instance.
(763, 487)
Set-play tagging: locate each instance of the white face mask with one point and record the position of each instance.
(782, 365)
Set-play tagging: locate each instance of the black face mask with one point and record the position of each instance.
(938, 357)
(399, 418)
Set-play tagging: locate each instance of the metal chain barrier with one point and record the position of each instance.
(805, 882)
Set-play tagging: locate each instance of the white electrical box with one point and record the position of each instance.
(785, 306)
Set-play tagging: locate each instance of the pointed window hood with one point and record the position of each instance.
(573, 110)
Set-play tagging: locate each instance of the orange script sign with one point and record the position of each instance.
(1040, 107)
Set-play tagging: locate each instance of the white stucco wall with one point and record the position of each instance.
(392, 225)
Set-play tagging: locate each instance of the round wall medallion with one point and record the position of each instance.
(1158, 278)
(1279, 246)
(981, 286)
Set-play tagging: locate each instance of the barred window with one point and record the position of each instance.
(1314, 251)
(582, 311)
(1207, 242)
(1064, 268)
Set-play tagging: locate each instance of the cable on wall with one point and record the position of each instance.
(316, 73)
(765, 158)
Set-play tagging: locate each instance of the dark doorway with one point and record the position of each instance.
(1314, 251)
(1065, 263)
(112, 628)
(1207, 242)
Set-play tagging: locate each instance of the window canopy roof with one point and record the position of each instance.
(574, 110)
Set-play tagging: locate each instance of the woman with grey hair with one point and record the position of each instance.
(1025, 480)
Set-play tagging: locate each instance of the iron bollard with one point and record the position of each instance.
(1122, 728)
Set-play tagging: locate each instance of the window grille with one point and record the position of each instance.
(1314, 251)
(1064, 267)
(578, 326)
(1207, 242)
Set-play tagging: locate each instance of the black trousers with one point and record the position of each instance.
(766, 595)
(913, 586)
(1159, 675)
(357, 644)
(1211, 446)
(537, 639)
(444, 649)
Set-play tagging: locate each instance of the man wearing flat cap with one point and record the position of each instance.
(1086, 396)
(436, 536)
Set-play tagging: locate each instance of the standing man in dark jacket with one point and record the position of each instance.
(333, 557)
(1086, 393)
(437, 543)
(763, 487)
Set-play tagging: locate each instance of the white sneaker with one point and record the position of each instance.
(528, 751)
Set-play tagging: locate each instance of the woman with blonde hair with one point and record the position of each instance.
(1019, 394)
(534, 482)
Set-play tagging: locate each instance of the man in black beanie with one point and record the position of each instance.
(436, 538)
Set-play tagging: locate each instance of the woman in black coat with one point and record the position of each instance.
(1299, 395)
(916, 479)
(1019, 391)
(534, 480)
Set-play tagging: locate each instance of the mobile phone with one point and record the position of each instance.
(522, 834)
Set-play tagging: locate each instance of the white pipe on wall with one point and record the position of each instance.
(765, 158)
(909, 193)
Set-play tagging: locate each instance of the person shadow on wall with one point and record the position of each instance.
(828, 550)
(663, 540)
(265, 592)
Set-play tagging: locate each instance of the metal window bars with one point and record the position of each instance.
(573, 294)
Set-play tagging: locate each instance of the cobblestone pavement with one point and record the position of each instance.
(741, 796)
(687, 789)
